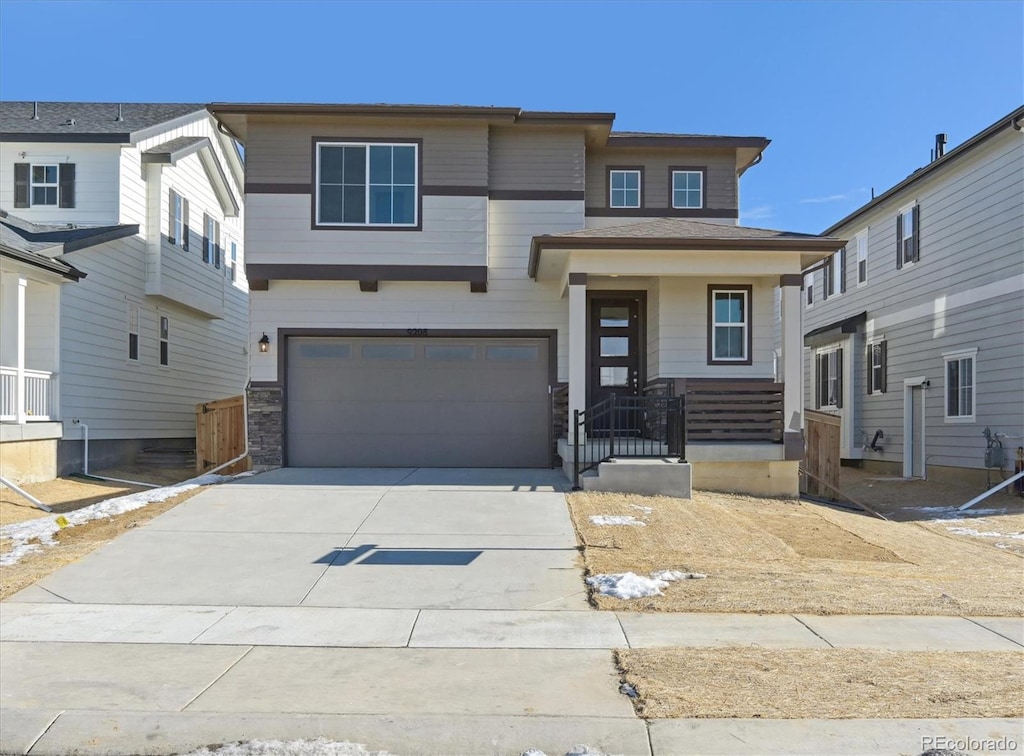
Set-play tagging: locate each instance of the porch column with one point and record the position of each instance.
(19, 365)
(792, 365)
(577, 345)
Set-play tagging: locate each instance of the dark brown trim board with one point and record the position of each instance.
(258, 284)
(660, 212)
(577, 279)
(437, 190)
(608, 185)
(534, 194)
(701, 169)
(317, 140)
(299, 272)
(682, 140)
(749, 289)
(791, 279)
(253, 187)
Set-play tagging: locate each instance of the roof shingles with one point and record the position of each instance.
(16, 117)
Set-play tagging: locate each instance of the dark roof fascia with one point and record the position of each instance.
(1010, 121)
(813, 244)
(326, 109)
(151, 156)
(846, 325)
(706, 142)
(20, 136)
(118, 232)
(555, 118)
(52, 265)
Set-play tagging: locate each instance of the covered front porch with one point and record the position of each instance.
(693, 332)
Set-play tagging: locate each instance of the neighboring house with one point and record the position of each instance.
(123, 299)
(915, 331)
(446, 286)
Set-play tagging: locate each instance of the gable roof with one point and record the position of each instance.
(109, 122)
(1014, 120)
(20, 235)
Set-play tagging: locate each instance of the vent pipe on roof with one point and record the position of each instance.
(35, 111)
(120, 117)
(940, 145)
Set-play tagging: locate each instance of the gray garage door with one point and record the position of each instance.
(390, 402)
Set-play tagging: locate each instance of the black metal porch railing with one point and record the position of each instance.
(628, 427)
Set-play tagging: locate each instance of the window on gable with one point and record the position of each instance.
(729, 325)
(177, 212)
(624, 188)
(133, 332)
(862, 258)
(877, 367)
(373, 185)
(165, 337)
(687, 189)
(44, 185)
(908, 233)
(960, 382)
(828, 378)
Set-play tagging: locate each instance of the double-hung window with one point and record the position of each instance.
(232, 263)
(960, 384)
(809, 288)
(211, 241)
(908, 236)
(371, 185)
(133, 332)
(862, 258)
(729, 325)
(165, 337)
(876, 362)
(177, 211)
(687, 189)
(44, 185)
(624, 188)
(835, 275)
(828, 378)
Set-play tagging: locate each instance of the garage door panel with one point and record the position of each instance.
(455, 403)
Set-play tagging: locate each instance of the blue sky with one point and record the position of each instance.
(852, 94)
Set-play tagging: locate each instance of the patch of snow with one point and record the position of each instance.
(28, 536)
(645, 510)
(629, 585)
(985, 534)
(616, 520)
(673, 575)
(318, 747)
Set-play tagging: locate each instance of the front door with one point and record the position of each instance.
(615, 335)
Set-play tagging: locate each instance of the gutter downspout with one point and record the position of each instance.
(27, 495)
(85, 463)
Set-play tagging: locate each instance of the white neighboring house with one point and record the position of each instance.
(123, 298)
(914, 333)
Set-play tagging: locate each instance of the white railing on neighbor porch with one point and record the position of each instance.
(37, 394)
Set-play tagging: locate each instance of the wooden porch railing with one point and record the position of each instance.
(36, 394)
(724, 410)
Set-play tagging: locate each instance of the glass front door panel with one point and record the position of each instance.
(614, 317)
(614, 346)
(614, 376)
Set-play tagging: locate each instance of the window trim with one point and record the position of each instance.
(164, 340)
(834, 275)
(135, 309)
(880, 387)
(33, 185)
(809, 288)
(821, 382)
(231, 260)
(957, 356)
(914, 211)
(315, 223)
(639, 170)
(702, 170)
(748, 292)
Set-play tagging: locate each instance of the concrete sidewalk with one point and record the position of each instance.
(420, 612)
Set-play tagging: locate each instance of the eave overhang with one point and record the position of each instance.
(842, 327)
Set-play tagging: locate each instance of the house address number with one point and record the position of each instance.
(417, 331)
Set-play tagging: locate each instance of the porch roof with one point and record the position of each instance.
(51, 241)
(667, 235)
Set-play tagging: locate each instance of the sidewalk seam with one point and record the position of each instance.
(994, 632)
(813, 631)
(622, 629)
(216, 622)
(412, 629)
(45, 730)
(217, 679)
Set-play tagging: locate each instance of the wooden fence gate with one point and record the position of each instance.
(821, 460)
(220, 435)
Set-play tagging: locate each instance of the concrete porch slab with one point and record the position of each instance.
(103, 623)
(524, 629)
(910, 633)
(109, 675)
(646, 477)
(312, 626)
(455, 682)
(156, 734)
(763, 631)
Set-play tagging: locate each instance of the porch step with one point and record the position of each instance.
(648, 477)
(160, 457)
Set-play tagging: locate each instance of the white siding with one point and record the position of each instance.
(96, 181)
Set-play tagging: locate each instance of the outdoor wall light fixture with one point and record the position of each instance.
(264, 342)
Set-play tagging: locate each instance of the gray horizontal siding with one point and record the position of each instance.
(536, 159)
(280, 151)
(721, 191)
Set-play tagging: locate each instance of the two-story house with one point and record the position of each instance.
(450, 285)
(915, 330)
(123, 300)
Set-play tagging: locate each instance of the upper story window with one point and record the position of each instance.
(44, 185)
(165, 338)
(960, 382)
(877, 366)
(624, 187)
(862, 258)
(232, 261)
(211, 237)
(835, 275)
(687, 188)
(371, 184)
(729, 325)
(177, 212)
(908, 236)
(133, 332)
(809, 288)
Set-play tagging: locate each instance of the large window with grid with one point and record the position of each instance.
(960, 385)
(729, 325)
(371, 184)
(624, 187)
(688, 189)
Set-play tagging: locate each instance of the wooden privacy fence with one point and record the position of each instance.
(718, 410)
(821, 458)
(220, 435)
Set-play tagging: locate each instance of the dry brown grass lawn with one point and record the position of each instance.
(68, 494)
(784, 556)
(823, 683)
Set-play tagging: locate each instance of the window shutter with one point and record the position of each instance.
(871, 372)
(170, 216)
(839, 378)
(184, 225)
(817, 381)
(21, 184)
(916, 221)
(826, 279)
(217, 251)
(842, 270)
(899, 241)
(885, 366)
(206, 239)
(67, 184)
